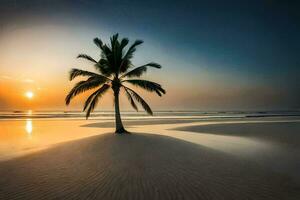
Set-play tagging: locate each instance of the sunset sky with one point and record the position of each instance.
(217, 55)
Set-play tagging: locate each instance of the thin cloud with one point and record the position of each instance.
(28, 81)
(5, 77)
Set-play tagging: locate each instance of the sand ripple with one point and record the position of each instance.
(138, 166)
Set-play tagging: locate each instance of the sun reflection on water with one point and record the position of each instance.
(28, 128)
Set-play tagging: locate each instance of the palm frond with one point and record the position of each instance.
(107, 58)
(126, 63)
(93, 99)
(98, 42)
(106, 52)
(87, 57)
(147, 85)
(116, 52)
(99, 91)
(104, 67)
(130, 99)
(114, 40)
(124, 42)
(139, 71)
(139, 99)
(83, 86)
(78, 72)
(132, 49)
(118, 47)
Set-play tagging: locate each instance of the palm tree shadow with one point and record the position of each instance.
(142, 165)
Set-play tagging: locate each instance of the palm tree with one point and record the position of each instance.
(114, 70)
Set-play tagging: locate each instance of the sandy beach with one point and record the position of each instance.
(149, 100)
(171, 159)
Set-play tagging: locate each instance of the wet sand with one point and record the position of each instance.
(196, 162)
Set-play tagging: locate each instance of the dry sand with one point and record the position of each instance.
(146, 166)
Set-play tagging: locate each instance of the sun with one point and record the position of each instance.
(29, 94)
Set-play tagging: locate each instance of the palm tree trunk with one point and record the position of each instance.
(119, 125)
